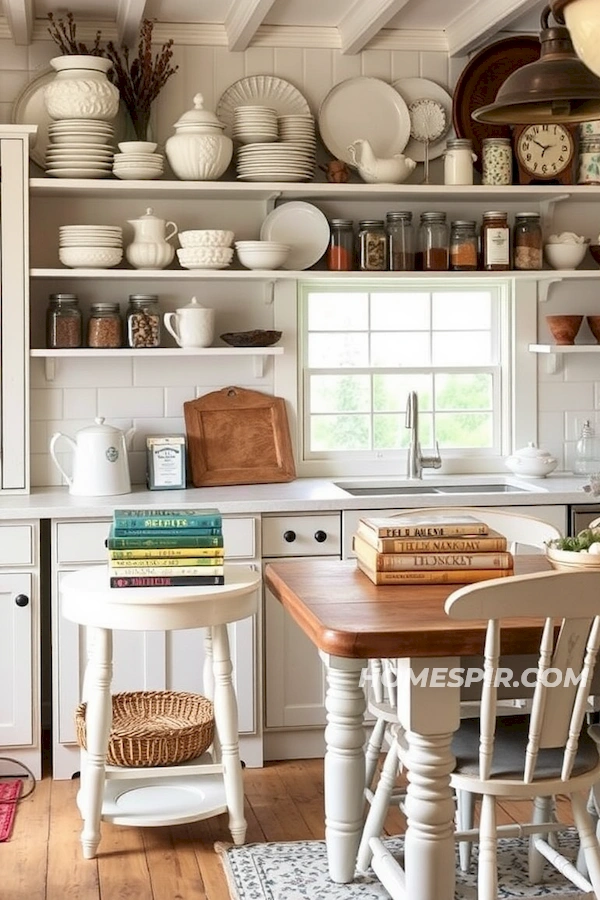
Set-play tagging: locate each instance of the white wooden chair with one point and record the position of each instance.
(524, 534)
(527, 757)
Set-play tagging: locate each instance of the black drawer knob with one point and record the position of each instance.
(320, 536)
(22, 600)
(289, 536)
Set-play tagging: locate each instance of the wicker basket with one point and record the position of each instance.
(155, 728)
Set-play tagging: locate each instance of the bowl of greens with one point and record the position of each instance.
(579, 552)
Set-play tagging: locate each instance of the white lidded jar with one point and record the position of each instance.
(199, 150)
(81, 89)
(458, 161)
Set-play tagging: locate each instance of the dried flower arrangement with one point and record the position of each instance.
(139, 80)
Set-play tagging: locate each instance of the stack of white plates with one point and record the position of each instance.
(254, 124)
(289, 161)
(137, 159)
(90, 246)
(298, 128)
(80, 148)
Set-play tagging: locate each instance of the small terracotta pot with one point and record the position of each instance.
(564, 328)
(594, 323)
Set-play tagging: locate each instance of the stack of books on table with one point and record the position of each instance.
(166, 548)
(430, 549)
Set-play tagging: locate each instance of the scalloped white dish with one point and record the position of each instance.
(260, 90)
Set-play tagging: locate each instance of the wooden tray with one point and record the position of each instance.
(236, 436)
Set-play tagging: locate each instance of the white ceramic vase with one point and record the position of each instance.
(199, 151)
(81, 89)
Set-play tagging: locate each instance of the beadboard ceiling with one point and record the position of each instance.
(456, 26)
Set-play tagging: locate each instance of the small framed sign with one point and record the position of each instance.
(165, 462)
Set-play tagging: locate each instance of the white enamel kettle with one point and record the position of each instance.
(100, 464)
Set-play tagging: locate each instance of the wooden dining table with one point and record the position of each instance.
(351, 620)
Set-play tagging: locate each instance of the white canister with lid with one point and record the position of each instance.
(531, 462)
(192, 325)
(199, 150)
(458, 161)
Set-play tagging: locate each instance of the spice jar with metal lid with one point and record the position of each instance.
(458, 161)
(463, 245)
(372, 245)
(496, 161)
(527, 241)
(105, 328)
(495, 241)
(401, 250)
(433, 242)
(589, 160)
(143, 321)
(63, 321)
(340, 253)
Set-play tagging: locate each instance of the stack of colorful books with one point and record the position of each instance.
(430, 549)
(166, 548)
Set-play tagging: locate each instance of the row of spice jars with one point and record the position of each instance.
(105, 327)
(438, 245)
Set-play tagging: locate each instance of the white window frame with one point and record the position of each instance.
(519, 300)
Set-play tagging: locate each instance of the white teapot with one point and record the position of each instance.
(150, 248)
(192, 325)
(100, 464)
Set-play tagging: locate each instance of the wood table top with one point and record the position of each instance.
(345, 614)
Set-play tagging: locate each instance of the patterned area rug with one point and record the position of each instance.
(298, 871)
(9, 794)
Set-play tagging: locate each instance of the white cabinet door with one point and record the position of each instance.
(16, 660)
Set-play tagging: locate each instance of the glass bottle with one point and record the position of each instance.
(587, 451)
(463, 246)
(433, 242)
(105, 328)
(143, 321)
(458, 161)
(496, 161)
(372, 245)
(63, 321)
(340, 253)
(527, 241)
(495, 241)
(401, 251)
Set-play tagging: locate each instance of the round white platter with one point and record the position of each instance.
(411, 89)
(301, 225)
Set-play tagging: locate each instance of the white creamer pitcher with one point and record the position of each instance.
(150, 248)
(100, 465)
(192, 325)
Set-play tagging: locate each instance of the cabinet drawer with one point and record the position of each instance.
(81, 542)
(16, 545)
(311, 535)
(239, 537)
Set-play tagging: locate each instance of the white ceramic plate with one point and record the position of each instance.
(260, 90)
(303, 227)
(411, 89)
(78, 173)
(368, 109)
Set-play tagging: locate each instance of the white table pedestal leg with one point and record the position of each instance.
(98, 720)
(344, 778)
(226, 721)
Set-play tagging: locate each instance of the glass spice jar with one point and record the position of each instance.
(495, 241)
(105, 328)
(63, 321)
(496, 161)
(372, 245)
(401, 251)
(433, 242)
(340, 253)
(143, 321)
(527, 241)
(463, 245)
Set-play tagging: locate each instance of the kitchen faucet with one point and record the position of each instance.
(416, 462)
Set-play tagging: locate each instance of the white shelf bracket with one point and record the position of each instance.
(50, 368)
(259, 366)
(272, 200)
(547, 212)
(269, 293)
(543, 288)
(554, 363)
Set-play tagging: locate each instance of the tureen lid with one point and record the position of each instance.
(198, 116)
(193, 304)
(532, 452)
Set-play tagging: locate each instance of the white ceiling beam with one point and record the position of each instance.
(243, 21)
(479, 23)
(364, 21)
(129, 20)
(19, 15)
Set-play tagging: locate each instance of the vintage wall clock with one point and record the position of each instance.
(545, 153)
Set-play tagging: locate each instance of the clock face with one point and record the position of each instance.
(545, 150)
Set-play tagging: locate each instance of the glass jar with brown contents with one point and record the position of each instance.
(372, 245)
(143, 321)
(105, 328)
(433, 242)
(463, 246)
(527, 241)
(63, 321)
(495, 241)
(401, 253)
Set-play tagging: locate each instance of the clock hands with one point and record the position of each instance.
(543, 146)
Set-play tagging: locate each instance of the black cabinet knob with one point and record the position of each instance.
(320, 536)
(22, 600)
(289, 536)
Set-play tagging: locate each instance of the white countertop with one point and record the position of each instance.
(301, 495)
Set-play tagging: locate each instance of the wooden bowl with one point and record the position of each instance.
(257, 338)
(594, 326)
(564, 328)
(569, 560)
(595, 251)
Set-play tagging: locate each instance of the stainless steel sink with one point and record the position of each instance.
(390, 489)
(357, 489)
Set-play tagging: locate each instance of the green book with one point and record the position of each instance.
(159, 519)
(162, 540)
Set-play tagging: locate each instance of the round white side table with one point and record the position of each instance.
(166, 795)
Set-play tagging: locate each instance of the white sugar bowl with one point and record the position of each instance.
(531, 462)
(199, 150)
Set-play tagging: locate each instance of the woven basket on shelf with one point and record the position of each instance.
(155, 728)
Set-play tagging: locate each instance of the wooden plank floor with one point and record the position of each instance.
(42, 861)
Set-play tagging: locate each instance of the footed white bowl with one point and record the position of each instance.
(90, 257)
(205, 238)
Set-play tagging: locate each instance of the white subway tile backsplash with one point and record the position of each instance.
(560, 397)
(175, 397)
(38, 437)
(144, 427)
(130, 402)
(80, 402)
(46, 404)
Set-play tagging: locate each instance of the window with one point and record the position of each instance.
(362, 348)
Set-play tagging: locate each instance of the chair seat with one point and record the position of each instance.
(509, 751)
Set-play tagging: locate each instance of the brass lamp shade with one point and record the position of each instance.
(556, 88)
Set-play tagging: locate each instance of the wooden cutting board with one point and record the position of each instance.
(236, 436)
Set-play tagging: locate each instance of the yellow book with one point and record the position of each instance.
(493, 542)
(419, 561)
(168, 553)
(435, 576)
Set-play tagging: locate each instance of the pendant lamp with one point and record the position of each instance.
(559, 87)
(582, 18)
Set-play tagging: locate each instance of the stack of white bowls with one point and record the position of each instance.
(254, 124)
(262, 254)
(90, 246)
(205, 249)
(80, 148)
(137, 160)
